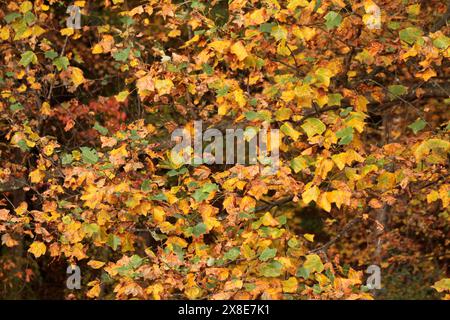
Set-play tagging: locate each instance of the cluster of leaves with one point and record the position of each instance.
(364, 126)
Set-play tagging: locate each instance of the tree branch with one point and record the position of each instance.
(337, 237)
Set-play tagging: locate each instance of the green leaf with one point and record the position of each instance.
(313, 263)
(27, 58)
(122, 55)
(261, 115)
(334, 99)
(159, 197)
(299, 163)
(89, 155)
(410, 35)
(267, 254)
(317, 6)
(418, 125)
(50, 54)
(113, 241)
(102, 130)
(232, 254)
(145, 186)
(29, 18)
(288, 130)
(61, 63)
(173, 173)
(441, 42)
(15, 107)
(10, 17)
(91, 228)
(439, 147)
(393, 25)
(204, 192)
(333, 20)
(267, 27)
(66, 159)
(271, 269)
(397, 90)
(207, 69)
(23, 145)
(313, 126)
(283, 114)
(345, 135)
(279, 33)
(302, 273)
(199, 229)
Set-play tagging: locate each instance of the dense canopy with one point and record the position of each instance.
(358, 89)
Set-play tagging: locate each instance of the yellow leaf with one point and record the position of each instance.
(163, 86)
(67, 31)
(339, 197)
(36, 176)
(346, 158)
(256, 17)
(22, 208)
(193, 292)
(311, 194)
(386, 180)
(77, 76)
(4, 33)
(97, 49)
(220, 46)
(95, 264)
(432, 196)
(427, 74)
(174, 33)
(25, 7)
(304, 33)
(323, 202)
(442, 285)
(288, 130)
(293, 4)
(239, 50)
(247, 203)
(309, 237)
(80, 4)
(361, 103)
(37, 248)
(290, 285)
(240, 98)
(283, 114)
(188, 43)
(122, 96)
(223, 109)
(288, 95)
(268, 220)
(324, 166)
(444, 194)
(435, 146)
(94, 292)
(356, 120)
(158, 214)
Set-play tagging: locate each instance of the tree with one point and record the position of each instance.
(358, 90)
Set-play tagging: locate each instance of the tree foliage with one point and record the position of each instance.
(87, 178)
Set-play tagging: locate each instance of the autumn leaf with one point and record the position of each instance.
(313, 263)
(37, 248)
(239, 50)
